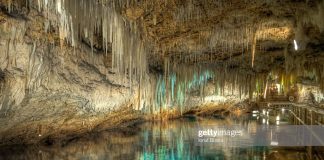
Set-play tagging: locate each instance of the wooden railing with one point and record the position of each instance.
(303, 114)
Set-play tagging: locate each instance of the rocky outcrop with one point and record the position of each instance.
(52, 91)
(310, 94)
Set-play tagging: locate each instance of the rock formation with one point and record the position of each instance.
(72, 66)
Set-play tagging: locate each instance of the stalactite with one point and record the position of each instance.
(84, 20)
(30, 68)
(9, 5)
(253, 48)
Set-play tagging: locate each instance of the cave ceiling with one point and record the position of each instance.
(205, 31)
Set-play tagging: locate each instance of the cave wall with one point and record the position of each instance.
(47, 89)
(310, 94)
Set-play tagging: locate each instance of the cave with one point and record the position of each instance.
(162, 79)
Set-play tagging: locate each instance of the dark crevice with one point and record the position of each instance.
(2, 76)
(14, 13)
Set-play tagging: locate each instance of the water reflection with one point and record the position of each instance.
(175, 140)
(169, 140)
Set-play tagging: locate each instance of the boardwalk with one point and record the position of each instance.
(302, 114)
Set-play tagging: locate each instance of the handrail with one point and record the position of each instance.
(317, 109)
(311, 107)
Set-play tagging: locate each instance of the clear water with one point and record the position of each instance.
(163, 141)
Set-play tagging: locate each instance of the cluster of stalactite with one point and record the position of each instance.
(241, 36)
(87, 20)
(173, 88)
(181, 83)
(301, 65)
(193, 9)
(97, 22)
(225, 42)
(99, 25)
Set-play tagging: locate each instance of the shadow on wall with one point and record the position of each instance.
(2, 79)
